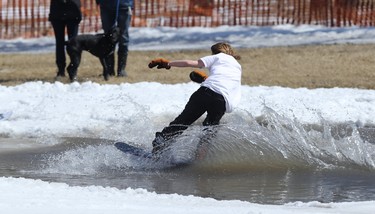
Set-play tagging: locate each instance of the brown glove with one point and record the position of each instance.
(160, 62)
(198, 76)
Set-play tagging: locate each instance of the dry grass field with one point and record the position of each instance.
(321, 66)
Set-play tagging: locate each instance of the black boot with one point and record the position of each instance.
(61, 71)
(158, 144)
(122, 58)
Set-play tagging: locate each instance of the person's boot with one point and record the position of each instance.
(60, 73)
(122, 65)
(158, 144)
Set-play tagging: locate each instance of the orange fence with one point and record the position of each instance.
(29, 18)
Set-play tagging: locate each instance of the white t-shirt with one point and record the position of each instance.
(224, 78)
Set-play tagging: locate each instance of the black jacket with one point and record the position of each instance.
(65, 10)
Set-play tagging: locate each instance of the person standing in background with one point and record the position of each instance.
(64, 14)
(117, 13)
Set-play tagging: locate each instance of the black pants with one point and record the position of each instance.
(201, 101)
(59, 30)
(123, 21)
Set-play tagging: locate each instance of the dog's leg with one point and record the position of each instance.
(75, 60)
(105, 68)
(110, 60)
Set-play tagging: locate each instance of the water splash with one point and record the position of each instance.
(242, 143)
(273, 140)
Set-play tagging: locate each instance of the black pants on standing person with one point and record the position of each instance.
(64, 15)
(59, 27)
(117, 13)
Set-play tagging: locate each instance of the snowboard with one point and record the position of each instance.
(132, 150)
(168, 156)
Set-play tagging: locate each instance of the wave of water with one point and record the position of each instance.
(245, 142)
(276, 141)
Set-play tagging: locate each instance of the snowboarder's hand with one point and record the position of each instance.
(160, 63)
(198, 76)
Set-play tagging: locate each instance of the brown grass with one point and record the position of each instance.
(303, 66)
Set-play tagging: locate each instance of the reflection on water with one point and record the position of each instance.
(270, 159)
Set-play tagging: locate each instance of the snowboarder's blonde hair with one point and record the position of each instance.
(222, 47)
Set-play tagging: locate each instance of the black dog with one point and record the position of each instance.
(99, 45)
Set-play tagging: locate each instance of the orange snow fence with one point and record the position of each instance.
(29, 18)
